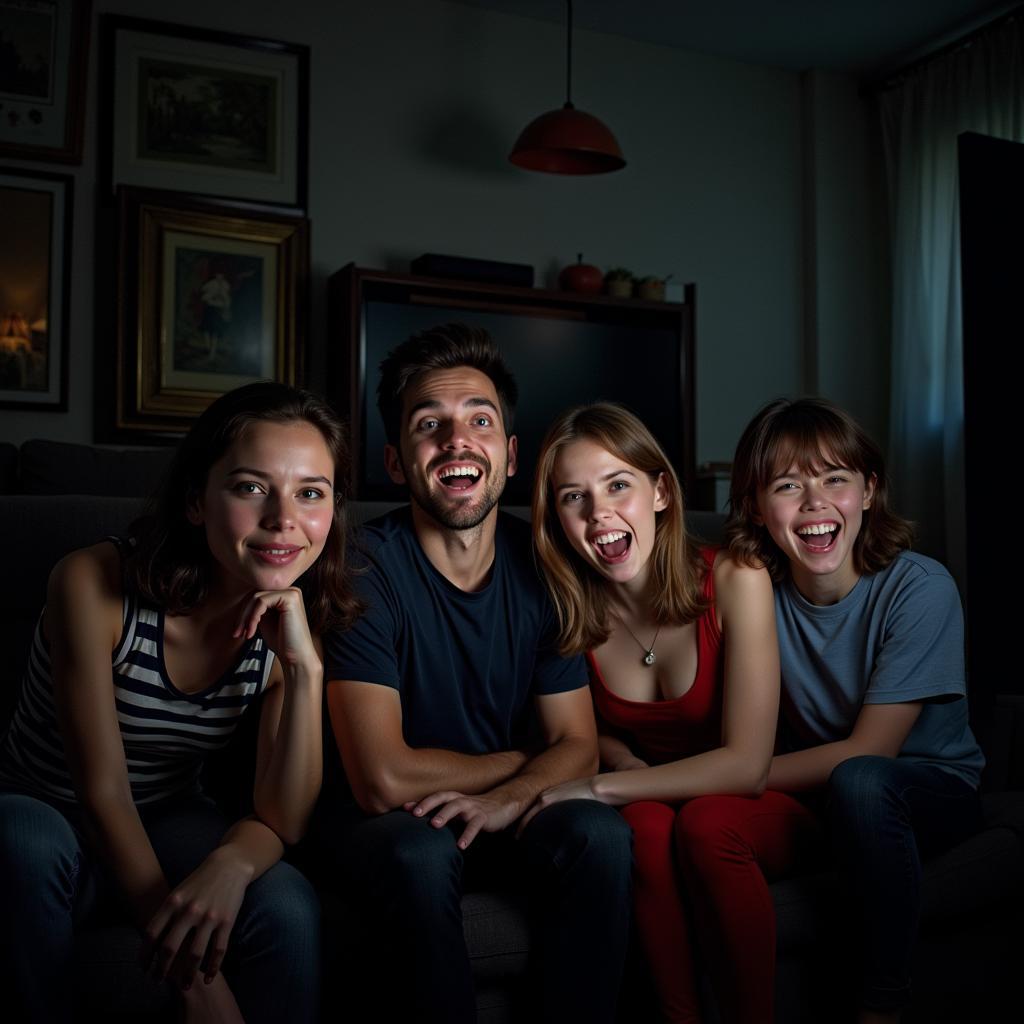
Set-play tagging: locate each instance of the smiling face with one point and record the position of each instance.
(453, 452)
(267, 506)
(606, 508)
(814, 515)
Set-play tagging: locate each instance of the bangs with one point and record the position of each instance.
(615, 429)
(813, 444)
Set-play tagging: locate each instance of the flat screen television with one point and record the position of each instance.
(563, 348)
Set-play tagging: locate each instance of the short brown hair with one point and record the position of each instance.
(442, 348)
(809, 433)
(579, 594)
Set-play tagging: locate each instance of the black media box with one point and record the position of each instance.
(430, 264)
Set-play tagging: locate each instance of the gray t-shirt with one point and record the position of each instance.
(898, 636)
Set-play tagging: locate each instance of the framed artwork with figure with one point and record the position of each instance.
(211, 297)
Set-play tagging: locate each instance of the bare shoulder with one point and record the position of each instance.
(84, 590)
(737, 577)
(94, 570)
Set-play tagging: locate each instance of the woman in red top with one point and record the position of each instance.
(683, 655)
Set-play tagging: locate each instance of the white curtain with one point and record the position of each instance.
(977, 87)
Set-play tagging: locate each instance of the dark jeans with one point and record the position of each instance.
(50, 885)
(406, 879)
(886, 816)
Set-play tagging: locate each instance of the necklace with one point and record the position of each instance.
(649, 658)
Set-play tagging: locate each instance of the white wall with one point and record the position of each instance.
(415, 104)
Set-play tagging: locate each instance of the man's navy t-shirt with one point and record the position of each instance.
(467, 665)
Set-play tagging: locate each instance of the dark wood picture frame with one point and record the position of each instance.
(210, 297)
(350, 373)
(155, 134)
(44, 106)
(35, 290)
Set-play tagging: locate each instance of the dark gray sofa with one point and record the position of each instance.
(971, 944)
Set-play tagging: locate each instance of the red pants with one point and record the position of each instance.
(721, 851)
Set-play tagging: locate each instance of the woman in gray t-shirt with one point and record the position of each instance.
(874, 746)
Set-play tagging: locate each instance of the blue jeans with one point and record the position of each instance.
(51, 885)
(887, 814)
(406, 878)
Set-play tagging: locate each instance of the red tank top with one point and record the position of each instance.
(667, 730)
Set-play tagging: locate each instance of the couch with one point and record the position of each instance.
(55, 497)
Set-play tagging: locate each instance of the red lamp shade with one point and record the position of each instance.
(567, 141)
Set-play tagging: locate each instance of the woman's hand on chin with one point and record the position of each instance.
(574, 789)
(280, 616)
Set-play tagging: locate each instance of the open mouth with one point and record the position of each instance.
(612, 547)
(818, 537)
(283, 554)
(459, 477)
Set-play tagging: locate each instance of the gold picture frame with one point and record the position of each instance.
(210, 297)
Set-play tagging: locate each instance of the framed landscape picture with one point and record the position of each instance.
(210, 297)
(203, 112)
(35, 273)
(44, 45)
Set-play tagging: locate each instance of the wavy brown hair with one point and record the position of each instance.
(809, 433)
(171, 565)
(579, 594)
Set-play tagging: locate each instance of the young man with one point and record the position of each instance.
(452, 710)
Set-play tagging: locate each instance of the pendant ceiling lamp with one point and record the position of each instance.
(567, 141)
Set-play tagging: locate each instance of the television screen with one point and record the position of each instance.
(558, 361)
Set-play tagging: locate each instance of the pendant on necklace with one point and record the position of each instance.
(649, 658)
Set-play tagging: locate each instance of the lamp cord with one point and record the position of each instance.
(568, 57)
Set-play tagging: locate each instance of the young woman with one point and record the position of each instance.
(681, 643)
(874, 715)
(147, 654)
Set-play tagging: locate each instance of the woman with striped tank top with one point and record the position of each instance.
(147, 654)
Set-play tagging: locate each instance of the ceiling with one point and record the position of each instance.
(864, 37)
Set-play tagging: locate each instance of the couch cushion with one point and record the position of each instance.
(55, 467)
(8, 467)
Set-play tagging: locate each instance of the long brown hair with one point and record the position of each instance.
(809, 433)
(171, 564)
(580, 594)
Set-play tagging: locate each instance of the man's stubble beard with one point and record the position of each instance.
(472, 513)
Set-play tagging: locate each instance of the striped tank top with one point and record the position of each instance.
(166, 733)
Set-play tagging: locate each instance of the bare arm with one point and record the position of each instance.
(615, 753)
(879, 729)
(383, 771)
(567, 721)
(83, 623)
(750, 708)
(289, 762)
(570, 735)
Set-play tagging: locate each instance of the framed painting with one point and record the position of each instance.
(210, 298)
(44, 46)
(35, 277)
(212, 113)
